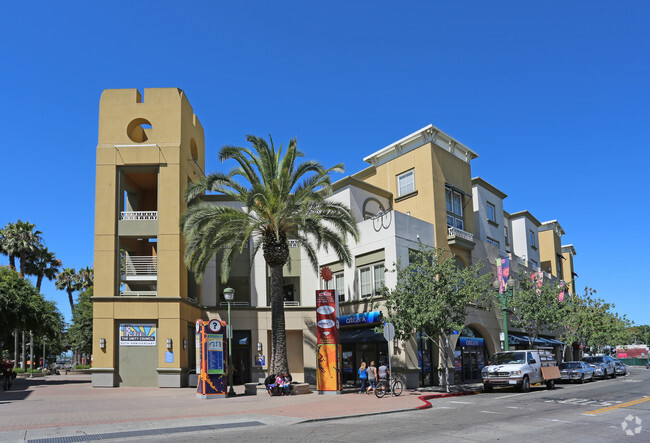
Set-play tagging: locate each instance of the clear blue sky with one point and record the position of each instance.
(552, 96)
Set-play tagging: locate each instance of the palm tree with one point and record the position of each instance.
(68, 280)
(43, 264)
(20, 240)
(86, 277)
(282, 200)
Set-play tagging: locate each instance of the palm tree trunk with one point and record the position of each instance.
(12, 261)
(39, 281)
(279, 363)
(71, 300)
(23, 363)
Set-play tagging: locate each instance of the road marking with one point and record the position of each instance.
(556, 420)
(622, 405)
(462, 402)
(493, 412)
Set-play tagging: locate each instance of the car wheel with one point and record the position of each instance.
(487, 388)
(582, 379)
(592, 377)
(550, 384)
(525, 385)
(614, 374)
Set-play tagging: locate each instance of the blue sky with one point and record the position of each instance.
(552, 96)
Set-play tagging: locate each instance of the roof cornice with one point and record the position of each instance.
(526, 214)
(428, 134)
(482, 183)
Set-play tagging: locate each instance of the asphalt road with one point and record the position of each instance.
(601, 411)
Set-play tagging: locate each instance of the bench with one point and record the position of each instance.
(256, 388)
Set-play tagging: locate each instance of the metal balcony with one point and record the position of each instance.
(460, 238)
(139, 215)
(139, 268)
(139, 293)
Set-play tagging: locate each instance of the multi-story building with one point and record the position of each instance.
(416, 190)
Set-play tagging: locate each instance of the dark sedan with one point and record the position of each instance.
(577, 371)
(621, 368)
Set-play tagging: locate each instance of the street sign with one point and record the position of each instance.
(389, 331)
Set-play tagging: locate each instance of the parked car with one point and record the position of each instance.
(606, 361)
(621, 368)
(577, 371)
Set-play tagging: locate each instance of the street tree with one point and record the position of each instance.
(20, 240)
(535, 306)
(80, 333)
(431, 297)
(282, 200)
(43, 264)
(69, 281)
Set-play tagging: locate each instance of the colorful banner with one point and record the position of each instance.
(137, 334)
(503, 273)
(213, 361)
(329, 373)
(215, 353)
(327, 328)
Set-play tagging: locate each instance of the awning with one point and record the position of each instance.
(360, 335)
(516, 339)
(539, 341)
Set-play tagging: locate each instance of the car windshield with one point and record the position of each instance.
(509, 358)
(571, 365)
(618, 363)
(593, 359)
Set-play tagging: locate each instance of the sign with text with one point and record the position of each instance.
(137, 334)
(215, 353)
(327, 328)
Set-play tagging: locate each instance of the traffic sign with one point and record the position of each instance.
(389, 331)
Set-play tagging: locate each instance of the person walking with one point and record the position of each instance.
(363, 377)
(372, 377)
(382, 371)
(7, 373)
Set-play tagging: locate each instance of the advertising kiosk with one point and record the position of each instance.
(212, 359)
(328, 349)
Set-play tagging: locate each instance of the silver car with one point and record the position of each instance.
(577, 371)
(606, 361)
(621, 368)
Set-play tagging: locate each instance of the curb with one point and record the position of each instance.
(426, 398)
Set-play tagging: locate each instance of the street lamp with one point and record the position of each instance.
(504, 307)
(229, 294)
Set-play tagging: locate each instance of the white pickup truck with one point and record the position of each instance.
(521, 369)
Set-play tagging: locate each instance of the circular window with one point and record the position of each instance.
(139, 130)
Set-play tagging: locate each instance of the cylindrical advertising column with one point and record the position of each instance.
(328, 349)
(211, 347)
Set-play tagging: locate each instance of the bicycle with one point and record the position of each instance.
(395, 388)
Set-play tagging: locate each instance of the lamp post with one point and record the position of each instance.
(229, 294)
(504, 307)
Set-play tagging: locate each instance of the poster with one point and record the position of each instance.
(329, 374)
(327, 328)
(215, 353)
(137, 334)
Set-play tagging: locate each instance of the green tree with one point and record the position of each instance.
(20, 240)
(431, 296)
(80, 333)
(281, 200)
(535, 307)
(86, 277)
(43, 264)
(69, 281)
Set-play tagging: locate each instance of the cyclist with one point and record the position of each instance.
(382, 371)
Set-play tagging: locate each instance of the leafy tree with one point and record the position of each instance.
(535, 306)
(282, 200)
(431, 296)
(69, 281)
(86, 277)
(43, 264)
(80, 332)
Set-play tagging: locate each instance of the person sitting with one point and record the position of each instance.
(269, 382)
(286, 383)
(279, 383)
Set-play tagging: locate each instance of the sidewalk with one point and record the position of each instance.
(58, 406)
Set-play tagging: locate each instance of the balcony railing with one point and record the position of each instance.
(224, 304)
(455, 232)
(139, 215)
(291, 303)
(293, 243)
(139, 266)
(139, 293)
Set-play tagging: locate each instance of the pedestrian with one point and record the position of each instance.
(382, 371)
(7, 373)
(363, 377)
(279, 383)
(372, 377)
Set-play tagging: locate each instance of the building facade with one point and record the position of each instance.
(417, 190)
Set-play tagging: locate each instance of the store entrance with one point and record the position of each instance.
(241, 357)
(469, 356)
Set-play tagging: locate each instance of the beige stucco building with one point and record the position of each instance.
(418, 189)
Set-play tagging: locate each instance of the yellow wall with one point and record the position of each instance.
(173, 142)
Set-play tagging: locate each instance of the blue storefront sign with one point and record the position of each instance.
(471, 342)
(362, 318)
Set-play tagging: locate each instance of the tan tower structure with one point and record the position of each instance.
(145, 304)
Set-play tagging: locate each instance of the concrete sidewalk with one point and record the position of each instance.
(64, 406)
